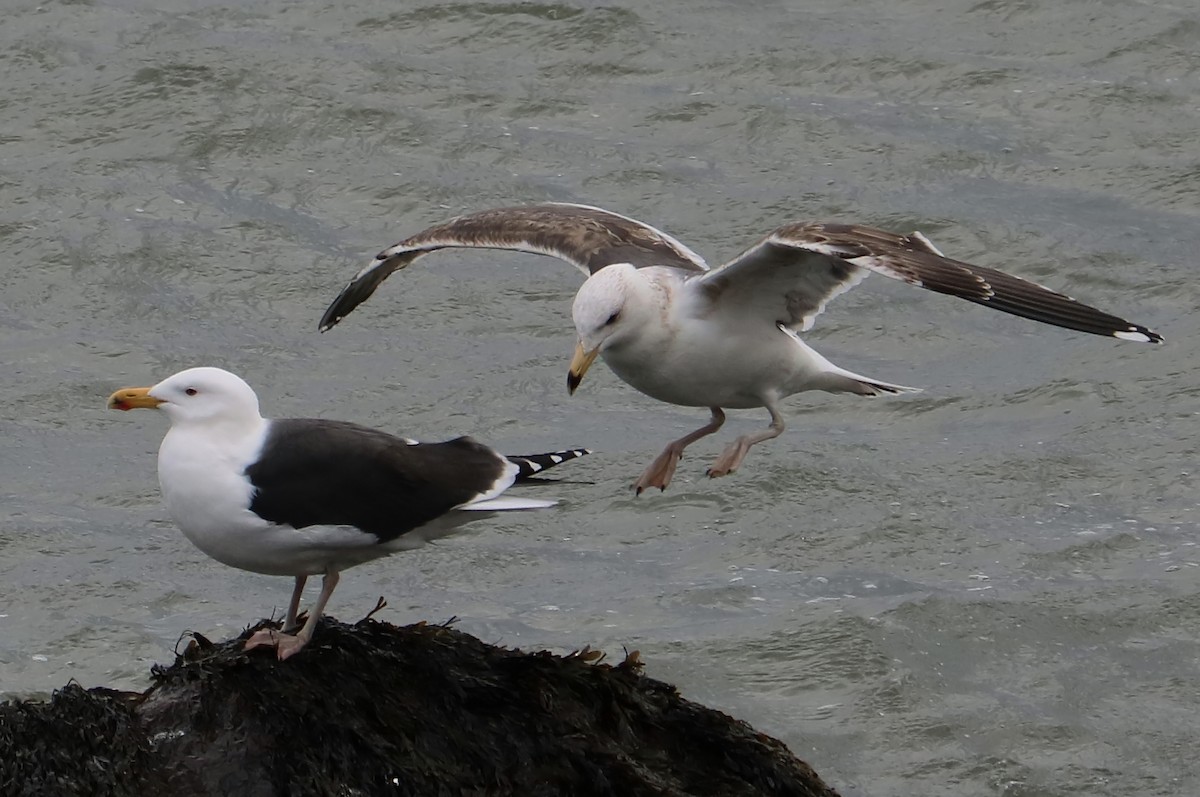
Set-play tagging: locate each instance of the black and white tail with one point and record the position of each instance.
(534, 464)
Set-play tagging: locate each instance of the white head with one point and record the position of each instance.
(197, 395)
(610, 308)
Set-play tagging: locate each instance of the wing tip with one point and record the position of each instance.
(534, 464)
(359, 289)
(1139, 334)
(885, 388)
(506, 503)
(331, 317)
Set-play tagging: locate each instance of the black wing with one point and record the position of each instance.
(318, 472)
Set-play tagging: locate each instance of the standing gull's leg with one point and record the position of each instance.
(267, 636)
(287, 644)
(289, 621)
(660, 471)
(735, 452)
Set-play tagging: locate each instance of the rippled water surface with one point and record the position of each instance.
(989, 588)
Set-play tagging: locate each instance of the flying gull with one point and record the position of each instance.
(304, 496)
(722, 338)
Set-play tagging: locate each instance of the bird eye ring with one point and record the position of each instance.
(191, 391)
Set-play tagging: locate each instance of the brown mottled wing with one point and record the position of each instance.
(586, 237)
(793, 272)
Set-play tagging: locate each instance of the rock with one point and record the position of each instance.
(374, 709)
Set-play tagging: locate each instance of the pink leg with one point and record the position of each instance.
(287, 645)
(735, 452)
(289, 621)
(660, 471)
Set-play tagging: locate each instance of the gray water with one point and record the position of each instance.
(989, 588)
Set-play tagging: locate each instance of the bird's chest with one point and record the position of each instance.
(205, 488)
(703, 364)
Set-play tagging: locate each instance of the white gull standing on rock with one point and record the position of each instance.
(307, 496)
(724, 338)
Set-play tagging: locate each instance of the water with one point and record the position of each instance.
(990, 588)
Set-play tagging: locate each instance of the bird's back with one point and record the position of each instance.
(319, 472)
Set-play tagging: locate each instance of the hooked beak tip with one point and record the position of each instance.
(580, 363)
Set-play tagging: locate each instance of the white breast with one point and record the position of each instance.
(206, 491)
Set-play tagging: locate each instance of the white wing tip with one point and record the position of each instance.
(506, 503)
(1138, 337)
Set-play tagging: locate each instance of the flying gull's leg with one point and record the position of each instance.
(660, 471)
(735, 452)
(288, 645)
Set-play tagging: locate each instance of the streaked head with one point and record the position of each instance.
(193, 396)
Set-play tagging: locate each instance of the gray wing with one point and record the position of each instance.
(792, 273)
(586, 237)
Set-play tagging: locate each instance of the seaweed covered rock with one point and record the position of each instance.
(80, 743)
(376, 709)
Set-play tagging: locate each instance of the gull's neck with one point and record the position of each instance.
(231, 433)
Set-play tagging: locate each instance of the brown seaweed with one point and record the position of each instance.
(375, 709)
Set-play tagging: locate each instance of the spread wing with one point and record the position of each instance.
(586, 237)
(793, 273)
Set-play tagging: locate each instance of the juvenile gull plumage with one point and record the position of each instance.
(724, 338)
(305, 496)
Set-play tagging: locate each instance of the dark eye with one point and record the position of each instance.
(612, 319)
(191, 391)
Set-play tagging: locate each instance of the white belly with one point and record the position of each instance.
(709, 366)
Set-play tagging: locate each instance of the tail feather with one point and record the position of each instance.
(832, 379)
(533, 464)
(839, 380)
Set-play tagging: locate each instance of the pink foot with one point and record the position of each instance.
(286, 645)
(729, 460)
(660, 471)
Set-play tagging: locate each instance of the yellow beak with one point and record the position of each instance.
(133, 398)
(580, 363)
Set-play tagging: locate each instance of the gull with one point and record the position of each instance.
(727, 337)
(308, 496)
